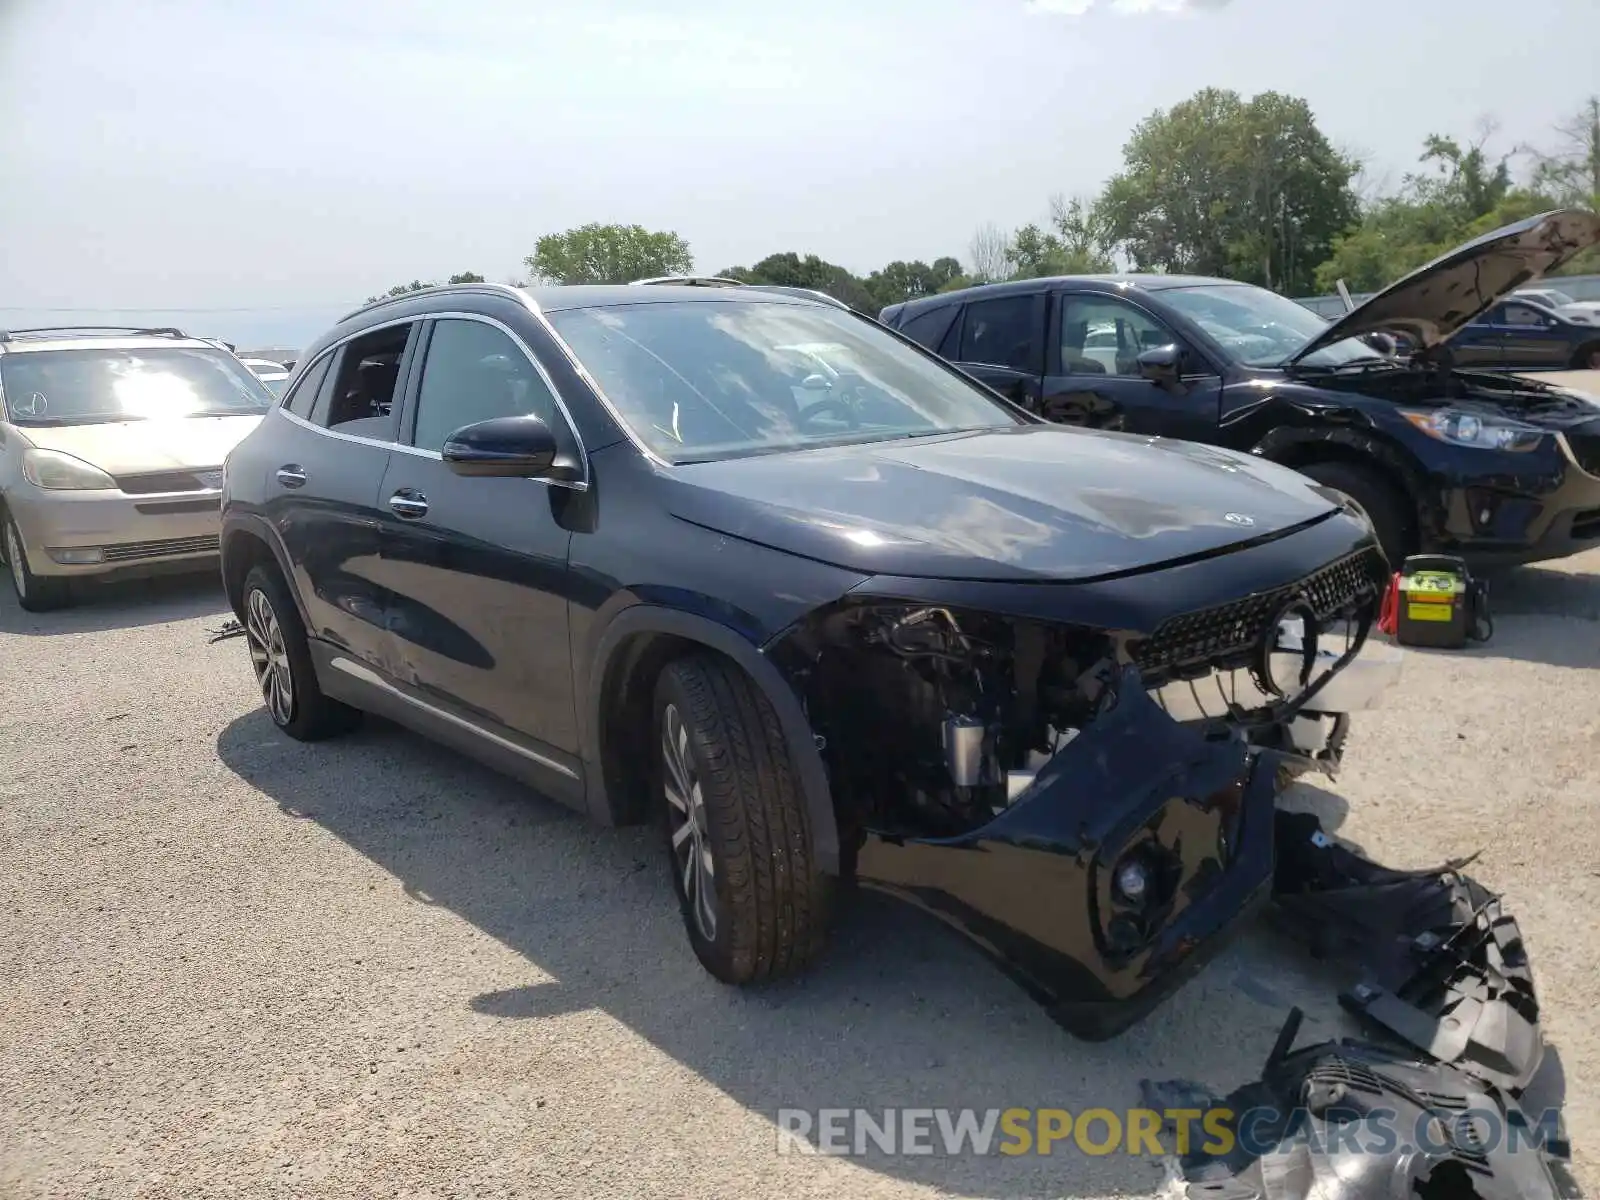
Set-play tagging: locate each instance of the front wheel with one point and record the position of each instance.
(736, 826)
(280, 656)
(1389, 509)
(1587, 358)
(34, 593)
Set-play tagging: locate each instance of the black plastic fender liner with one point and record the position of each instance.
(1034, 886)
(1442, 963)
(1352, 1121)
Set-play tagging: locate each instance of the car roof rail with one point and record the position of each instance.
(7, 335)
(487, 288)
(688, 281)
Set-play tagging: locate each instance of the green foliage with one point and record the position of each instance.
(1219, 185)
(597, 253)
(417, 285)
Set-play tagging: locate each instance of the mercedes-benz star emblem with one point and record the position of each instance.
(1285, 667)
(1238, 519)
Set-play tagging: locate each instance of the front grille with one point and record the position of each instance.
(1216, 636)
(161, 481)
(133, 551)
(1586, 449)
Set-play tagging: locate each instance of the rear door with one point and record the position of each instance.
(322, 494)
(1094, 377)
(1000, 341)
(477, 568)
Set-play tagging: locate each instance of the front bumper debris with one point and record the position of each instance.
(1353, 1121)
(1313, 738)
(1442, 964)
(1037, 886)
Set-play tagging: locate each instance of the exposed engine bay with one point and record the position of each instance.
(935, 719)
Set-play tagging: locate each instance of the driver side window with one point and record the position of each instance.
(1104, 336)
(1525, 315)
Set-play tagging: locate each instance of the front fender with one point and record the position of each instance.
(647, 619)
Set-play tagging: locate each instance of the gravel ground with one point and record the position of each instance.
(234, 965)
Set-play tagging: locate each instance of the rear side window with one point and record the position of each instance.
(305, 392)
(1001, 333)
(928, 328)
(366, 383)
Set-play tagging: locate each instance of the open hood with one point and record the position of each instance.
(1434, 301)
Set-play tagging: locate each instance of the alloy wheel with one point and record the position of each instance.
(19, 578)
(687, 824)
(269, 657)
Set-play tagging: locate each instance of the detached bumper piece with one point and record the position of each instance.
(1351, 1121)
(1444, 969)
(1114, 876)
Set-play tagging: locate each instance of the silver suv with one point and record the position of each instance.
(112, 442)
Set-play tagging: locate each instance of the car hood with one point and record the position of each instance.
(1435, 301)
(136, 447)
(1038, 502)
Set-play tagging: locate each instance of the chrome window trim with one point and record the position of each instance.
(372, 679)
(578, 485)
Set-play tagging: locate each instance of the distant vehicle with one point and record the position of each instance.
(1522, 334)
(1582, 311)
(1441, 456)
(112, 444)
(274, 376)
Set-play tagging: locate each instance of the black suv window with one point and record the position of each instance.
(927, 328)
(300, 401)
(366, 382)
(1104, 336)
(475, 372)
(1001, 333)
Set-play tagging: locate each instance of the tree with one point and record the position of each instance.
(597, 253)
(988, 254)
(1218, 185)
(900, 281)
(1571, 172)
(417, 285)
(1078, 242)
(791, 270)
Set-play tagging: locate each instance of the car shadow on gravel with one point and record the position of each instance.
(898, 1014)
(128, 604)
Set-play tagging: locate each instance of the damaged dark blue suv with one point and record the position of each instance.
(756, 568)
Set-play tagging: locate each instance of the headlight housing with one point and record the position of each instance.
(1470, 429)
(57, 472)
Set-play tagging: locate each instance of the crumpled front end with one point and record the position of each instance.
(1113, 875)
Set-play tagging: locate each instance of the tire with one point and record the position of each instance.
(737, 800)
(1587, 357)
(34, 593)
(1389, 509)
(281, 659)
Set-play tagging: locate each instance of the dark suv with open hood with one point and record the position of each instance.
(751, 566)
(1441, 456)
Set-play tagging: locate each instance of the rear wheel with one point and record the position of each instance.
(1389, 510)
(736, 825)
(281, 658)
(35, 594)
(1587, 358)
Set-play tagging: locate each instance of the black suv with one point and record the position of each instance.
(1440, 456)
(753, 566)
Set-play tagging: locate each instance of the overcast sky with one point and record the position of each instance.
(293, 156)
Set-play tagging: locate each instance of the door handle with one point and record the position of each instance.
(409, 506)
(292, 476)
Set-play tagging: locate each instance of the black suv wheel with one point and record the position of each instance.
(736, 826)
(281, 658)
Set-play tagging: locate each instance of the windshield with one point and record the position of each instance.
(720, 379)
(96, 386)
(1259, 328)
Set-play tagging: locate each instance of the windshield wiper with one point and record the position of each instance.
(1356, 366)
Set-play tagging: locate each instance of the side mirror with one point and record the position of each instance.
(509, 448)
(815, 383)
(1162, 365)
